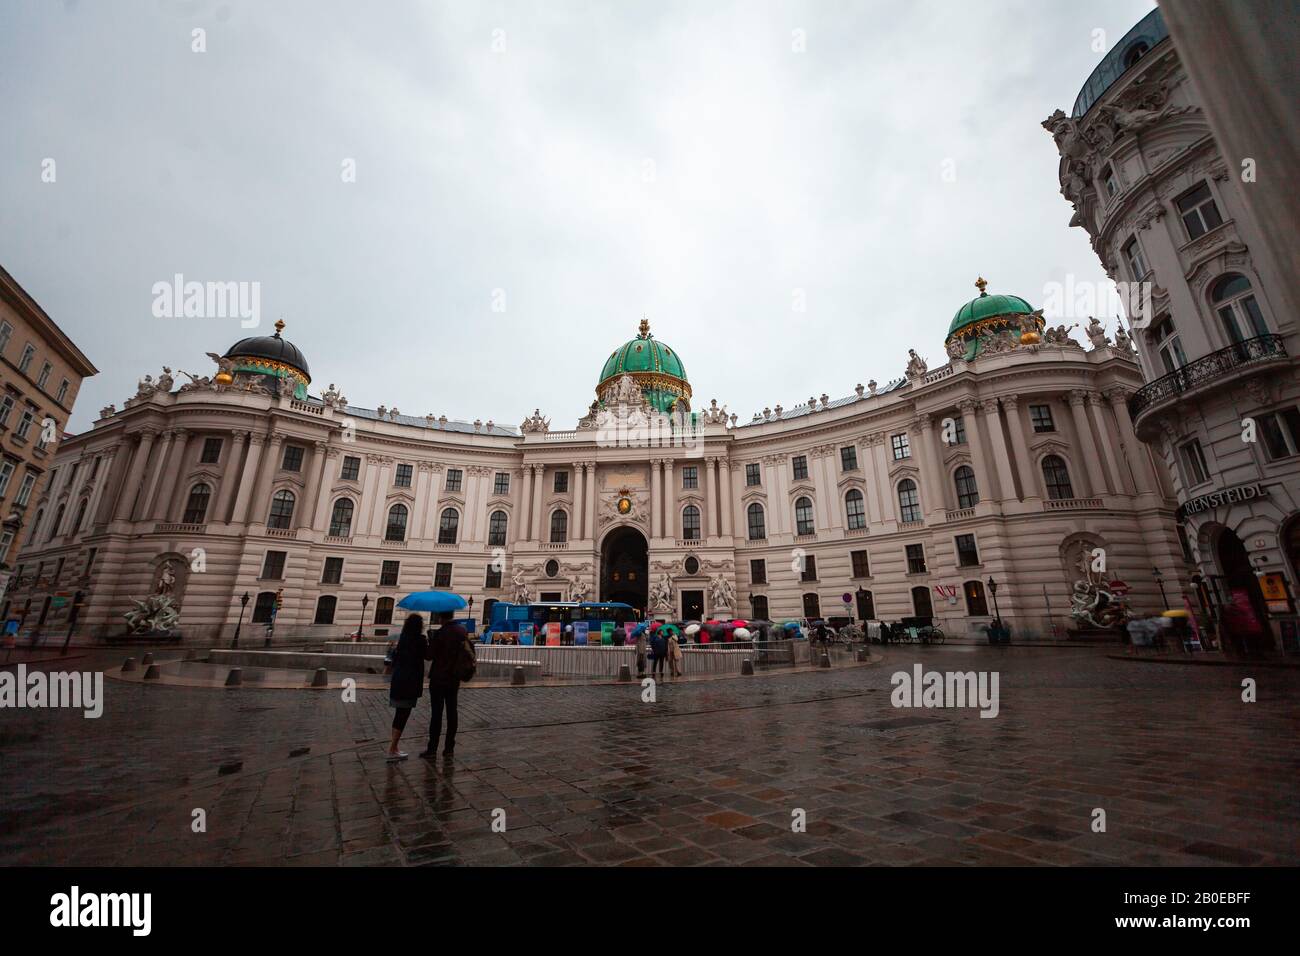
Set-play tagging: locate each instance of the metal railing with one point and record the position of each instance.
(1207, 369)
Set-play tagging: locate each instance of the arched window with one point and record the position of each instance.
(196, 506)
(384, 611)
(497, 530)
(1234, 300)
(921, 604)
(448, 526)
(281, 510)
(853, 509)
(396, 529)
(559, 526)
(81, 514)
(976, 604)
(812, 606)
(341, 518)
(1135, 53)
(803, 516)
(968, 494)
(1057, 477)
(325, 607)
(909, 501)
(54, 525)
(757, 526)
(691, 523)
(264, 607)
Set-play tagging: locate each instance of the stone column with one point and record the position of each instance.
(672, 522)
(260, 507)
(378, 519)
(1087, 447)
(306, 515)
(322, 510)
(832, 507)
(539, 480)
(933, 498)
(656, 497)
(525, 503)
(1135, 451)
(1109, 438)
(226, 486)
(157, 469)
(998, 445)
(172, 487)
(579, 489)
(422, 474)
(131, 489)
(1024, 466)
(978, 453)
(108, 469)
(434, 508)
(875, 492)
(248, 478)
(726, 475)
(711, 494)
(591, 500)
(114, 482)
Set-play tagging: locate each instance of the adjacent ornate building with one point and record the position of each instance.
(1215, 322)
(1015, 462)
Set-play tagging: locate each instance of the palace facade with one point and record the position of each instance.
(1014, 464)
(1215, 327)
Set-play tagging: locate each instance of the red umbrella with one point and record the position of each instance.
(713, 620)
(738, 623)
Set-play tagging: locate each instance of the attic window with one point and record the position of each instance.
(1135, 53)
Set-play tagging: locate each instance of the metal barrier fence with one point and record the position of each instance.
(594, 661)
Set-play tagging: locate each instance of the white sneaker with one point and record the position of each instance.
(400, 755)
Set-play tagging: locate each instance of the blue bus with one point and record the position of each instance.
(506, 617)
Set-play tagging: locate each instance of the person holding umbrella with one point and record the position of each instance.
(408, 679)
(452, 657)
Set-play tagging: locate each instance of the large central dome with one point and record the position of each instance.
(654, 366)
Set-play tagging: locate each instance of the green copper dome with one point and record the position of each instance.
(655, 367)
(987, 306)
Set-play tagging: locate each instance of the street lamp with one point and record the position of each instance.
(243, 605)
(993, 589)
(1155, 573)
(361, 628)
(860, 593)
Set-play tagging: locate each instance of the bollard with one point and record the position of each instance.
(747, 667)
(517, 677)
(148, 659)
(152, 673)
(826, 660)
(321, 678)
(128, 665)
(860, 654)
(235, 677)
(624, 672)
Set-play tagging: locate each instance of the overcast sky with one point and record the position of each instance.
(576, 164)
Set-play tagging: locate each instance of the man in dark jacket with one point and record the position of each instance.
(446, 645)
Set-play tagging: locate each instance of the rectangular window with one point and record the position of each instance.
(6, 473)
(211, 451)
(492, 581)
(501, 486)
(959, 430)
(1280, 429)
(25, 423)
(900, 445)
(6, 332)
(561, 481)
(388, 574)
(403, 477)
(273, 565)
(1167, 342)
(63, 392)
(967, 555)
(849, 458)
(41, 441)
(809, 568)
(752, 475)
(690, 476)
(1137, 263)
(90, 561)
(325, 608)
(44, 377)
(800, 464)
(916, 559)
(1110, 182)
(292, 458)
(1195, 468)
(333, 571)
(1198, 211)
(1040, 417)
(454, 477)
(25, 362)
(25, 492)
(442, 575)
(861, 566)
(758, 571)
(351, 468)
(6, 409)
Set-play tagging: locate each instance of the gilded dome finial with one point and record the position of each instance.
(644, 332)
(279, 327)
(980, 283)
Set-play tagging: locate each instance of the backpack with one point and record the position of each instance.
(466, 661)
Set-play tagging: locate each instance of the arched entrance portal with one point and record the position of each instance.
(625, 567)
(1244, 613)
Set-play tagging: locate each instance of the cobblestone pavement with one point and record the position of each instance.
(709, 774)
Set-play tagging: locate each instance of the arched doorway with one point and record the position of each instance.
(625, 568)
(1243, 613)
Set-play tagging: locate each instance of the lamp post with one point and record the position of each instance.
(361, 628)
(993, 589)
(860, 592)
(243, 605)
(1164, 600)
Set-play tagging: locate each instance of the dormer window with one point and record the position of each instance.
(1135, 53)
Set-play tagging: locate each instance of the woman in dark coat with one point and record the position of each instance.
(408, 678)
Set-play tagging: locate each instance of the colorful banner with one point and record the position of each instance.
(580, 633)
(606, 632)
(525, 634)
(553, 634)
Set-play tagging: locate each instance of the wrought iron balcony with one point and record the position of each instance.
(1214, 366)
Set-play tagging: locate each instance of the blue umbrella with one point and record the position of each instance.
(639, 628)
(435, 602)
